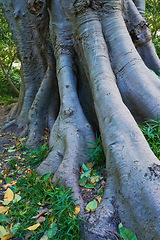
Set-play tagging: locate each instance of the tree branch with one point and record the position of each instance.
(7, 77)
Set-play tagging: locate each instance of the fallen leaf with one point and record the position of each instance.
(77, 210)
(8, 236)
(92, 180)
(69, 214)
(90, 165)
(33, 227)
(14, 182)
(41, 219)
(7, 185)
(29, 234)
(17, 198)
(3, 231)
(44, 237)
(52, 230)
(5, 203)
(91, 206)
(9, 195)
(99, 199)
(39, 204)
(41, 212)
(10, 227)
(3, 209)
(4, 218)
(1, 181)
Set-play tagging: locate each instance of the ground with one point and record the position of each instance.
(7, 138)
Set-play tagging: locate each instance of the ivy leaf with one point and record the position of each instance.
(91, 206)
(83, 181)
(86, 174)
(89, 185)
(85, 168)
(126, 234)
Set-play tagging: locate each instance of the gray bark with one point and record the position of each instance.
(88, 74)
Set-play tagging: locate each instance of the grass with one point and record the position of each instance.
(34, 194)
(151, 131)
(96, 153)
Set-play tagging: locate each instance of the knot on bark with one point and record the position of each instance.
(68, 112)
(35, 6)
(154, 171)
(81, 5)
(141, 33)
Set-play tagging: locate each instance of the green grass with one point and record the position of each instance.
(96, 153)
(37, 193)
(151, 131)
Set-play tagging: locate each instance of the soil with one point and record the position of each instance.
(7, 138)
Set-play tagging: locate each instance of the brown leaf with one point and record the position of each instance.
(41, 212)
(7, 185)
(41, 219)
(3, 209)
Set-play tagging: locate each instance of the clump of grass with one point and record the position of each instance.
(38, 194)
(151, 131)
(96, 153)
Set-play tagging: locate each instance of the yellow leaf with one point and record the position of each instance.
(99, 199)
(14, 182)
(1, 181)
(2, 231)
(92, 180)
(9, 195)
(77, 210)
(3, 209)
(8, 236)
(34, 227)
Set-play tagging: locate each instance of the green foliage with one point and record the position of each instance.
(7, 50)
(153, 17)
(36, 198)
(96, 153)
(38, 194)
(126, 234)
(151, 131)
(156, 42)
(7, 46)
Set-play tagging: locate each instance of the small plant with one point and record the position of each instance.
(151, 131)
(96, 153)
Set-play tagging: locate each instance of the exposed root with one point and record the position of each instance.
(141, 36)
(38, 112)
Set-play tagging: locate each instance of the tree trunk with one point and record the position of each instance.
(85, 68)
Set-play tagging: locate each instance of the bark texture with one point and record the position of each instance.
(86, 68)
